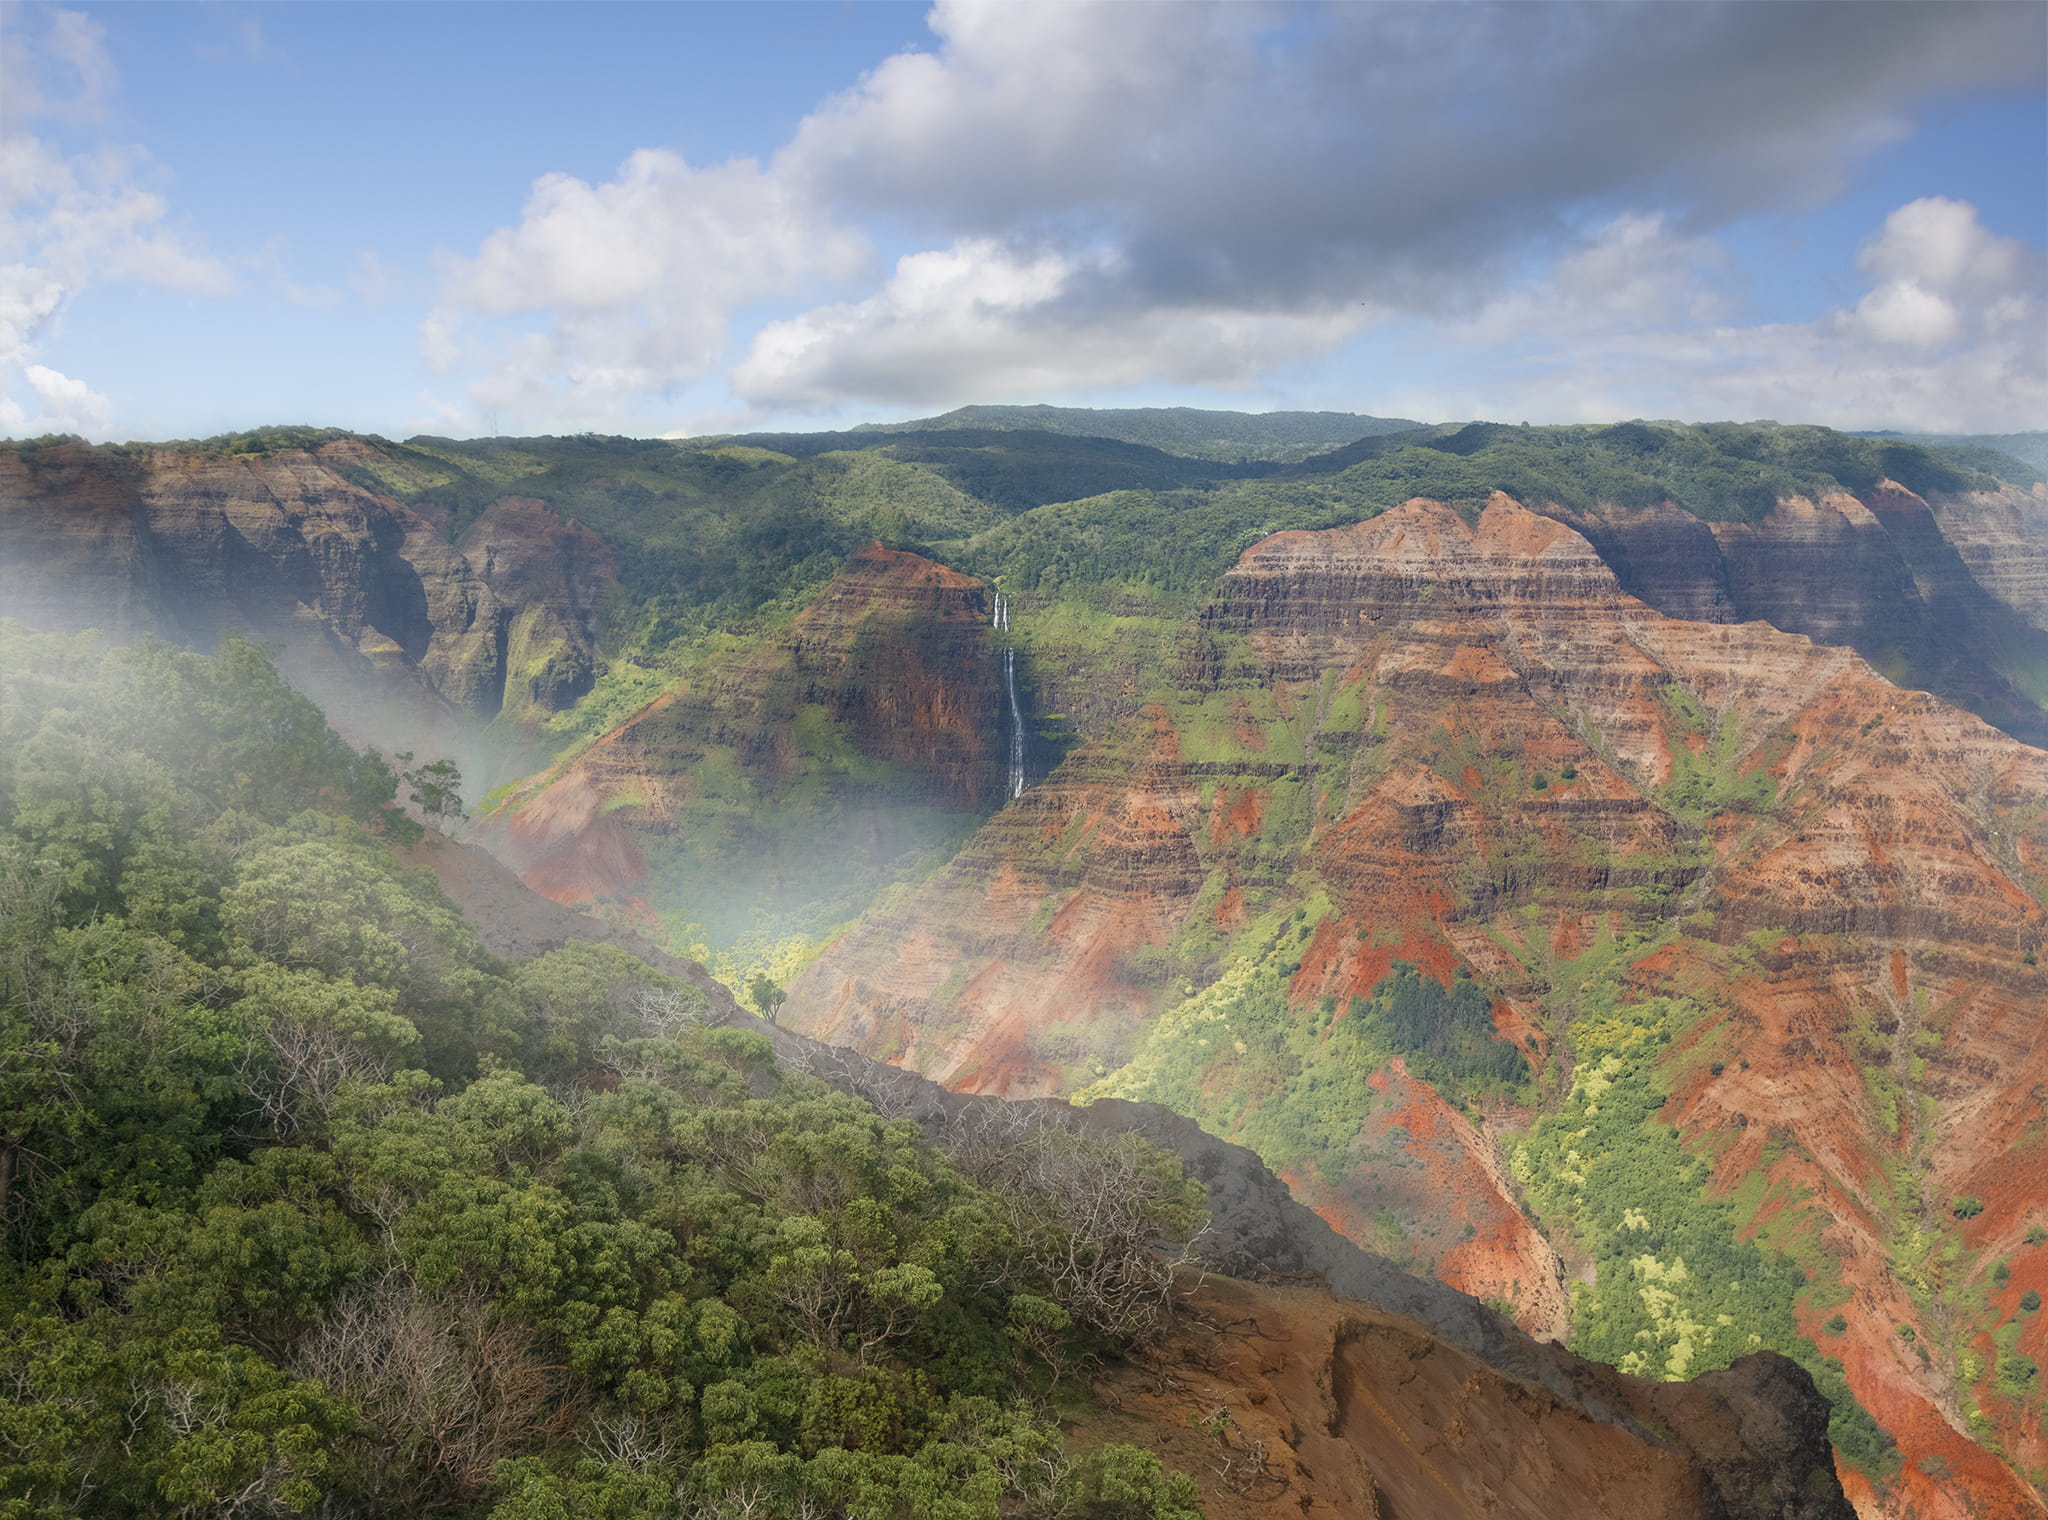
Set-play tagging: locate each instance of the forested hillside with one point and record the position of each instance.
(313, 1207)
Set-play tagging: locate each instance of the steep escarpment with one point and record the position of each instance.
(406, 639)
(1941, 592)
(2003, 537)
(549, 578)
(807, 765)
(1444, 789)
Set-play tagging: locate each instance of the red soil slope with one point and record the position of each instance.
(1856, 870)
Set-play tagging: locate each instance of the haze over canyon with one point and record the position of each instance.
(1601, 870)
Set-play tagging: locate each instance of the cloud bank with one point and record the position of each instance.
(1106, 195)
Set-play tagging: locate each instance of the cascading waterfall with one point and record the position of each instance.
(1001, 623)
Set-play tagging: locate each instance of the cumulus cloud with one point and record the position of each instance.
(69, 220)
(979, 319)
(1098, 193)
(1943, 278)
(1263, 155)
(67, 405)
(1947, 337)
(639, 278)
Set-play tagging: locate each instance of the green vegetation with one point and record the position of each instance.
(312, 1206)
(1447, 1033)
(1291, 1082)
(766, 996)
(1710, 781)
(1677, 1290)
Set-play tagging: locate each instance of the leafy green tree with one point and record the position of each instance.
(435, 788)
(765, 995)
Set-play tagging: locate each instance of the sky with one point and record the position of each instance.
(678, 219)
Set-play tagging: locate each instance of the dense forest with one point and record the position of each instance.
(312, 1206)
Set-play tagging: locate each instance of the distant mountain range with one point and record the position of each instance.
(1283, 437)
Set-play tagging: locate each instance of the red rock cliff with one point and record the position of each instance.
(1427, 668)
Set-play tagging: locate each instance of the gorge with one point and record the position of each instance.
(1599, 870)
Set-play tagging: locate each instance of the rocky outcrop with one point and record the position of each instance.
(407, 641)
(1284, 1401)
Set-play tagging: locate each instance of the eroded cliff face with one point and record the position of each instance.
(864, 732)
(1284, 1401)
(1948, 592)
(1465, 746)
(2003, 537)
(406, 640)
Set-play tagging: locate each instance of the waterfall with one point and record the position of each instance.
(1001, 623)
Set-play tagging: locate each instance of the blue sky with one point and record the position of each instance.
(655, 218)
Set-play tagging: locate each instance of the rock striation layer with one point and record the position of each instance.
(1947, 591)
(1482, 753)
(406, 640)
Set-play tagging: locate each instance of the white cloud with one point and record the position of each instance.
(1944, 278)
(1949, 337)
(67, 405)
(1101, 194)
(1634, 273)
(58, 69)
(1264, 156)
(977, 319)
(68, 221)
(638, 278)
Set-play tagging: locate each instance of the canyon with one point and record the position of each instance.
(1465, 748)
(1624, 909)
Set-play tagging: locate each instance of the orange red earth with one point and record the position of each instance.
(1864, 930)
